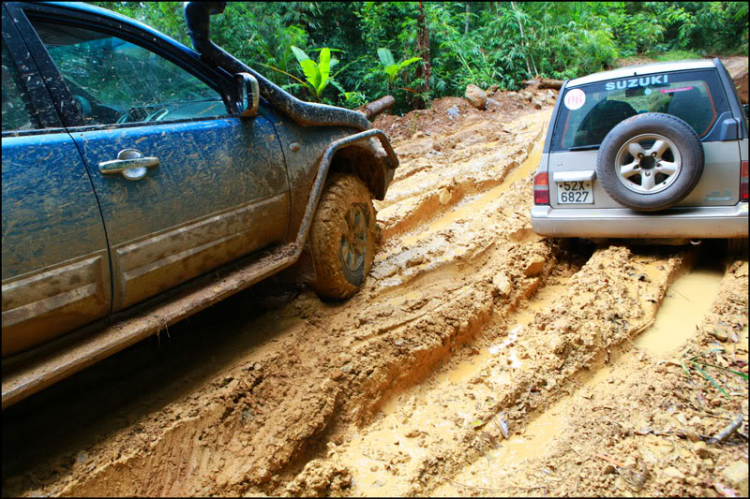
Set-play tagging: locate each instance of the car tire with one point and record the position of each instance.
(342, 237)
(650, 162)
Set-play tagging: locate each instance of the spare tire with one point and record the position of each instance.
(650, 162)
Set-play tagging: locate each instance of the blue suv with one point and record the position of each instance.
(143, 181)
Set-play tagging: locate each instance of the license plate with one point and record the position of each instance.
(575, 192)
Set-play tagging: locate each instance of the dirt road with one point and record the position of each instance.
(480, 359)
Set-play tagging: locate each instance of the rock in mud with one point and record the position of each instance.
(502, 285)
(415, 260)
(444, 196)
(701, 450)
(476, 97)
(673, 472)
(535, 266)
(527, 95)
(453, 112)
(736, 475)
(537, 104)
(559, 345)
(719, 334)
(692, 435)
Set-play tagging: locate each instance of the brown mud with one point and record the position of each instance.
(479, 359)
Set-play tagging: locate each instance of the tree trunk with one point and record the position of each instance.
(374, 108)
(466, 21)
(424, 67)
(523, 40)
(544, 83)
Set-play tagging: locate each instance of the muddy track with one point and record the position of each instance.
(439, 429)
(470, 327)
(635, 409)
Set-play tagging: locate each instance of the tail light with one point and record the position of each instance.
(541, 187)
(743, 181)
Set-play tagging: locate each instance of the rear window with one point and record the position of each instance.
(589, 112)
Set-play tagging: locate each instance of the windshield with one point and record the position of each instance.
(589, 112)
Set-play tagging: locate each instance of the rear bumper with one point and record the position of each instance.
(694, 223)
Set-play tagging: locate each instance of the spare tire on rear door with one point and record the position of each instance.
(650, 161)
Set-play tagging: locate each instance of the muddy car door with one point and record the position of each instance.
(55, 263)
(183, 185)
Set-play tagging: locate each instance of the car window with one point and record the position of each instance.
(17, 110)
(114, 81)
(589, 112)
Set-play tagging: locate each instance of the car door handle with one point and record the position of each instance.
(131, 163)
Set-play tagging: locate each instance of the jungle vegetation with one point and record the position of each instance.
(418, 51)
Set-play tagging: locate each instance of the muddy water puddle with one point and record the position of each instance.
(685, 305)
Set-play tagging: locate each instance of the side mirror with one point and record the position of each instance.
(248, 95)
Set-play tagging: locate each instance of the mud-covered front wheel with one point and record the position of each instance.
(342, 239)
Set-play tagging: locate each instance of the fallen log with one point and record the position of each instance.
(374, 108)
(545, 83)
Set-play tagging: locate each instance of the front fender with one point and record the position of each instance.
(326, 161)
(371, 158)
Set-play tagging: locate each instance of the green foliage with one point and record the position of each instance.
(317, 74)
(700, 365)
(560, 40)
(355, 99)
(390, 66)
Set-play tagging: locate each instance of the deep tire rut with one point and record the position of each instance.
(453, 418)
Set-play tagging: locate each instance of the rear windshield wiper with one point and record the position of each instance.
(582, 148)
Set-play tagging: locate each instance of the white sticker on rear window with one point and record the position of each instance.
(575, 99)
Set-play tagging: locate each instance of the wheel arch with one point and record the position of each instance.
(378, 159)
(369, 161)
(361, 161)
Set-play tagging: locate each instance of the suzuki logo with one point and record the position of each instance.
(637, 82)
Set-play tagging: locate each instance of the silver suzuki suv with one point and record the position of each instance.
(658, 151)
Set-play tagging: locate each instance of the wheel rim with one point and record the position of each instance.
(648, 163)
(354, 238)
